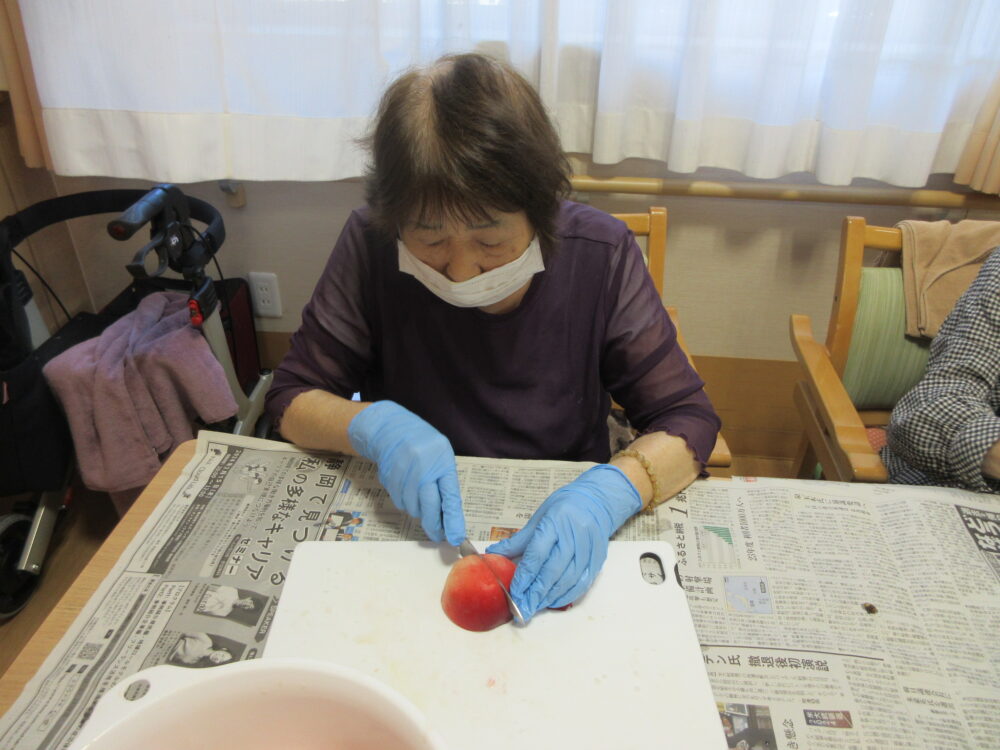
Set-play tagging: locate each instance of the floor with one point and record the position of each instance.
(91, 517)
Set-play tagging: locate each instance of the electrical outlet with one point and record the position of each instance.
(265, 295)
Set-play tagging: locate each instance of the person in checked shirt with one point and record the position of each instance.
(946, 430)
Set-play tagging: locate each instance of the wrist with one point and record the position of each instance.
(991, 462)
(640, 471)
(615, 491)
(364, 427)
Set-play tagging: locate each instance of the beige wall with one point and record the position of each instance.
(736, 269)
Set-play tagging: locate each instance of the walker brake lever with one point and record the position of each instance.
(138, 265)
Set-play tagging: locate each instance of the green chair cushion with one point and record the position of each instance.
(883, 363)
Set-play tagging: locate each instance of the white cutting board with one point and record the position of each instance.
(620, 670)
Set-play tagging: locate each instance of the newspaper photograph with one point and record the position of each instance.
(830, 615)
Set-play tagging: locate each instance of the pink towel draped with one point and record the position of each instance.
(131, 395)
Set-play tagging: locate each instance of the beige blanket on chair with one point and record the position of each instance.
(940, 260)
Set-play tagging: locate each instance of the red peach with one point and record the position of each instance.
(471, 597)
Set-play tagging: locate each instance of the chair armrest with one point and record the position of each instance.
(720, 456)
(841, 432)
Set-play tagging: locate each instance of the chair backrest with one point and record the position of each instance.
(653, 226)
(866, 337)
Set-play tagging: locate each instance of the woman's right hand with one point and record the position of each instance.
(416, 465)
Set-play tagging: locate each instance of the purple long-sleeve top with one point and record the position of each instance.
(535, 382)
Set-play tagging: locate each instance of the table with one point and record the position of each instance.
(829, 614)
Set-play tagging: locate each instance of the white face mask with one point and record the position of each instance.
(480, 291)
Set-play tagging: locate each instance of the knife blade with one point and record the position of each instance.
(465, 549)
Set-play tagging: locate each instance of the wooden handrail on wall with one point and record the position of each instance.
(812, 193)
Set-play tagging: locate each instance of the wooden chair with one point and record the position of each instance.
(867, 364)
(653, 226)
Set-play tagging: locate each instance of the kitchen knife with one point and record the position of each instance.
(465, 549)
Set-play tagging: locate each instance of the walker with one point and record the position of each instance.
(35, 447)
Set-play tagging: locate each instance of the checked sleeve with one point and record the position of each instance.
(940, 430)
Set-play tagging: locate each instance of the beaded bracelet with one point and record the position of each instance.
(648, 467)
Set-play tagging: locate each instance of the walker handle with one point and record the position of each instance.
(138, 214)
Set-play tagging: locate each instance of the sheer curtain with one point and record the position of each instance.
(195, 90)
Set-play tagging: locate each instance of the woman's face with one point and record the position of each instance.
(462, 251)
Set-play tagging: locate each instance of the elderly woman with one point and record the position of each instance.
(478, 313)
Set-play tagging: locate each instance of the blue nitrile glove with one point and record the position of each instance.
(415, 464)
(565, 543)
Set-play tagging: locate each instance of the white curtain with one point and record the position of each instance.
(192, 90)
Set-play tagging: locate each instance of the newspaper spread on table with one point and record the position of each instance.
(830, 615)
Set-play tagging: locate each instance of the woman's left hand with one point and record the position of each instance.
(565, 543)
